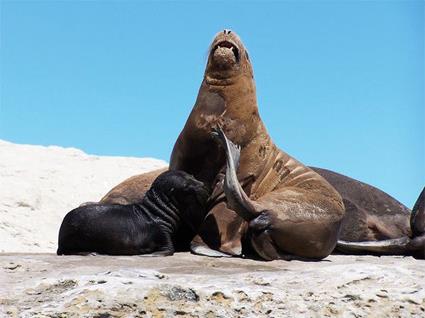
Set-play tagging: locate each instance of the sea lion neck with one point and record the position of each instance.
(233, 107)
(239, 96)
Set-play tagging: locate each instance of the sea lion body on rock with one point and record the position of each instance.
(175, 200)
(412, 243)
(370, 214)
(300, 211)
(375, 222)
(396, 238)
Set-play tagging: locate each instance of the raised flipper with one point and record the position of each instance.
(236, 197)
(414, 245)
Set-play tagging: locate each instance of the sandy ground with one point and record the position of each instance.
(39, 185)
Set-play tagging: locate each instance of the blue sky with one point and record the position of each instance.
(340, 84)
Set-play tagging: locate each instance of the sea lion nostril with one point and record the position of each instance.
(227, 31)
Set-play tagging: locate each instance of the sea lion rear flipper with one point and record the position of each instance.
(385, 247)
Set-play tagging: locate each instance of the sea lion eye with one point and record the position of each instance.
(247, 56)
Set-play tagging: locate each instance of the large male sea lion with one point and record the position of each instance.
(303, 209)
(150, 226)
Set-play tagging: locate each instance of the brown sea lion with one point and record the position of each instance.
(410, 240)
(301, 207)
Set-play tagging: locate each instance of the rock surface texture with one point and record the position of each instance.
(185, 285)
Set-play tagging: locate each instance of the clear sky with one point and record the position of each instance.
(340, 84)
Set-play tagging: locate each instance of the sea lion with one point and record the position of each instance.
(302, 207)
(407, 242)
(175, 199)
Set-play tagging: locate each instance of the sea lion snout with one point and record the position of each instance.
(227, 59)
(226, 51)
(225, 54)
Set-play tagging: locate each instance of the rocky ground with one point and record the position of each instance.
(185, 285)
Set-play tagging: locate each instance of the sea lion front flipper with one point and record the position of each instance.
(222, 230)
(202, 249)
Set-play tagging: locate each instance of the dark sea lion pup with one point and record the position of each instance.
(175, 199)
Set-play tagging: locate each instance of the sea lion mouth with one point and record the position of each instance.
(225, 53)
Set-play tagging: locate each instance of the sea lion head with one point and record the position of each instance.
(227, 59)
